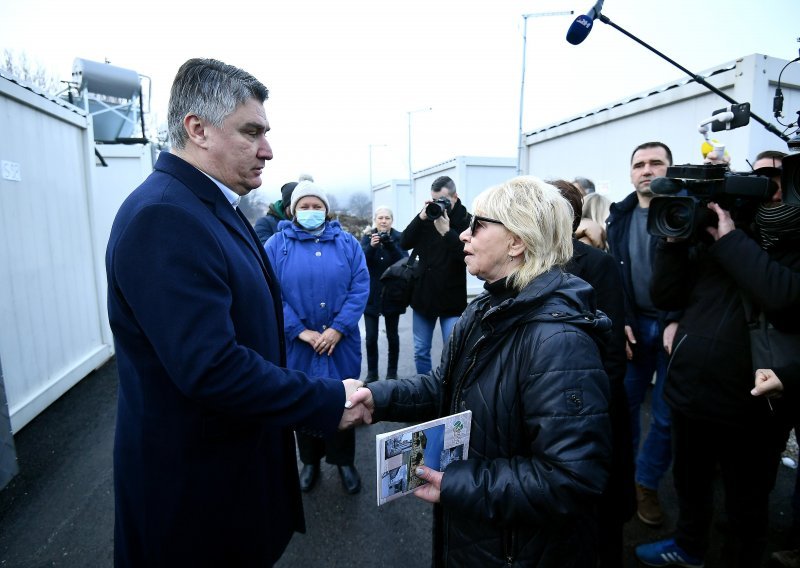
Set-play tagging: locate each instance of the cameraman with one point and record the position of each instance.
(716, 424)
(440, 290)
(381, 249)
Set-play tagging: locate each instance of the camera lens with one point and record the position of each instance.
(677, 216)
(672, 216)
(434, 210)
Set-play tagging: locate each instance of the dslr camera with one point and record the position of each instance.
(384, 238)
(437, 207)
(679, 209)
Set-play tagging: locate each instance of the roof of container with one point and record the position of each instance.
(37, 91)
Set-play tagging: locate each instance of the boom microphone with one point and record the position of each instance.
(582, 25)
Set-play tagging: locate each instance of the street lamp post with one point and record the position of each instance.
(520, 140)
(410, 171)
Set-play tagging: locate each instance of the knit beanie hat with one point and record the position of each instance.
(306, 188)
(286, 192)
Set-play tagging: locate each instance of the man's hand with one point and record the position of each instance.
(724, 222)
(442, 224)
(326, 341)
(669, 336)
(767, 384)
(422, 215)
(630, 341)
(358, 405)
(432, 491)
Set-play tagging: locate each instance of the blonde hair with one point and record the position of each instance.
(596, 208)
(382, 208)
(535, 212)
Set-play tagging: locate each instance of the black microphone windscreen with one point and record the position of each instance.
(665, 186)
(579, 29)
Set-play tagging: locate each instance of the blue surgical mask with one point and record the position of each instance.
(310, 218)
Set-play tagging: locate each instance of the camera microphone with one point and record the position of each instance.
(582, 25)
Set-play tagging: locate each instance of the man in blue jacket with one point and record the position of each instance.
(204, 457)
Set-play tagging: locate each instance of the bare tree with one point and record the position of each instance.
(360, 205)
(19, 66)
(334, 203)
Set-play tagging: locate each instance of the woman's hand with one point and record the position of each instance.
(431, 492)
(309, 336)
(375, 240)
(767, 384)
(326, 341)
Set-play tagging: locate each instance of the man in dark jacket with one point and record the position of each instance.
(204, 457)
(648, 330)
(268, 224)
(440, 291)
(719, 428)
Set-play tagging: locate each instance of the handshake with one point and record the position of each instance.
(358, 406)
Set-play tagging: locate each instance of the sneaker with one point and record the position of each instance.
(785, 559)
(648, 508)
(666, 553)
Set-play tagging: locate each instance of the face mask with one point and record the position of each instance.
(310, 218)
(777, 223)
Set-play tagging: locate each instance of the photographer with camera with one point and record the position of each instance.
(440, 290)
(717, 425)
(648, 330)
(381, 249)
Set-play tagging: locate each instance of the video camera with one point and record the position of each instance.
(680, 210)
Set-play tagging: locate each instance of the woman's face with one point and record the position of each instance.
(486, 249)
(383, 222)
(310, 202)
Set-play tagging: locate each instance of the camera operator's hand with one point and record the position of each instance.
(630, 341)
(422, 215)
(442, 224)
(724, 222)
(375, 240)
(714, 158)
(669, 336)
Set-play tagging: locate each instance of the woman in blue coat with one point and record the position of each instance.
(325, 285)
(381, 249)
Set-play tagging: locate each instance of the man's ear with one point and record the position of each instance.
(195, 129)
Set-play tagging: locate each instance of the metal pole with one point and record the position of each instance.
(521, 136)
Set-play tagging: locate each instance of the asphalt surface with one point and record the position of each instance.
(59, 510)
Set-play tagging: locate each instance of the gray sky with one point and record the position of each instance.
(344, 75)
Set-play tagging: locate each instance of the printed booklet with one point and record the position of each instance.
(431, 444)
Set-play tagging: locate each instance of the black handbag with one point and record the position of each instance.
(770, 348)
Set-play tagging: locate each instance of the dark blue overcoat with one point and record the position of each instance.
(204, 460)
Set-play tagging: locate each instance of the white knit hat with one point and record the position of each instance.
(306, 188)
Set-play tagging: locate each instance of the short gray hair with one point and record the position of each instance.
(210, 89)
(536, 212)
(380, 208)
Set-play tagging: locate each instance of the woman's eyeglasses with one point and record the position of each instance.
(478, 221)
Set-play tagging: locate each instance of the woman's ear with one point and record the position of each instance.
(517, 247)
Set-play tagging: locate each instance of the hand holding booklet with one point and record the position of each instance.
(432, 444)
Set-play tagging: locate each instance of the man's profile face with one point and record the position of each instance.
(236, 153)
(443, 193)
(771, 163)
(647, 164)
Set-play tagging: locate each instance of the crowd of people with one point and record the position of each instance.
(237, 346)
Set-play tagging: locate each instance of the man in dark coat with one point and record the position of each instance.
(204, 457)
(440, 291)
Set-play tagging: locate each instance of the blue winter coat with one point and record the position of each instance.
(325, 283)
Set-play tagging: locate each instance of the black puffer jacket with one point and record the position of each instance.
(378, 260)
(441, 288)
(541, 439)
(710, 372)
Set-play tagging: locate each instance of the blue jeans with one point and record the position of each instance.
(423, 335)
(649, 357)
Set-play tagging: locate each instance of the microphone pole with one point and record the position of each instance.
(770, 127)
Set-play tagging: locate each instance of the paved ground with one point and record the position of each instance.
(59, 510)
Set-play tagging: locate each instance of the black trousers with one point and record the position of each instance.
(339, 449)
(371, 326)
(746, 456)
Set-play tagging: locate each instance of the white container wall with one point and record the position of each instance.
(598, 144)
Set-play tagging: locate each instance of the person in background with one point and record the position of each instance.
(592, 228)
(381, 249)
(648, 330)
(525, 359)
(267, 225)
(720, 429)
(325, 283)
(584, 185)
(597, 268)
(440, 291)
(205, 470)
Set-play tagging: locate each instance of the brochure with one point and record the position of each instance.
(432, 444)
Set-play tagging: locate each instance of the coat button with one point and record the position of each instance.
(322, 304)
(317, 253)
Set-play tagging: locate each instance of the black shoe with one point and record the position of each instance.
(350, 479)
(308, 476)
(370, 378)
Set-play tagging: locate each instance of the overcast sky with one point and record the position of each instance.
(344, 75)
